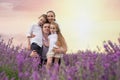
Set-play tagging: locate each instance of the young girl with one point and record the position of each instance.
(35, 43)
(56, 40)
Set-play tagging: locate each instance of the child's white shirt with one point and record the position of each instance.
(52, 41)
(36, 30)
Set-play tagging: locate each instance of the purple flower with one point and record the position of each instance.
(20, 61)
(35, 76)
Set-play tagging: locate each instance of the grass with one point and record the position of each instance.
(10, 73)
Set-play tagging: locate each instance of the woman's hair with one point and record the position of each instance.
(52, 12)
(61, 41)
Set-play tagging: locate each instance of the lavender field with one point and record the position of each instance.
(15, 64)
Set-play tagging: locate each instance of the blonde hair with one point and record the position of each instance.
(61, 41)
(43, 15)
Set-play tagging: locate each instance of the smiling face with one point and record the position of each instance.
(42, 20)
(53, 28)
(51, 16)
(46, 28)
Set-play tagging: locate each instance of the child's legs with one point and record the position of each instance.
(49, 62)
(36, 49)
(56, 64)
(59, 62)
(56, 60)
(50, 56)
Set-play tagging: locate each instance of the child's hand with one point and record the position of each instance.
(55, 46)
(32, 35)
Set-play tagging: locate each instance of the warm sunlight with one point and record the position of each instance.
(84, 23)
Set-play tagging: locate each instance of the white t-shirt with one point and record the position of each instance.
(36, 30)
(52, 41)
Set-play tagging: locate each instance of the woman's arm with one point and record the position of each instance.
(60, 50)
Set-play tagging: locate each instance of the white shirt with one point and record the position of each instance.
(52, 41)
(36, 30)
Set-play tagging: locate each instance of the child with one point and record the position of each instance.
(56, 40)
(35, 43)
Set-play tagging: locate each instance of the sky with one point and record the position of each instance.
(85, 24)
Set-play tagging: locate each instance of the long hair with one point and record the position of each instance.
(61, 41)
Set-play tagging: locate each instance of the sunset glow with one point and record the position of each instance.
(84, 24)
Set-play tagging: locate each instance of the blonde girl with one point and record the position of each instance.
(56, 40)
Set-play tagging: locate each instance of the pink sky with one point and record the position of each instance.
(108, 9)
(86, 18)
(25, 5)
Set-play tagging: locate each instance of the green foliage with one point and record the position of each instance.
(9, 72)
